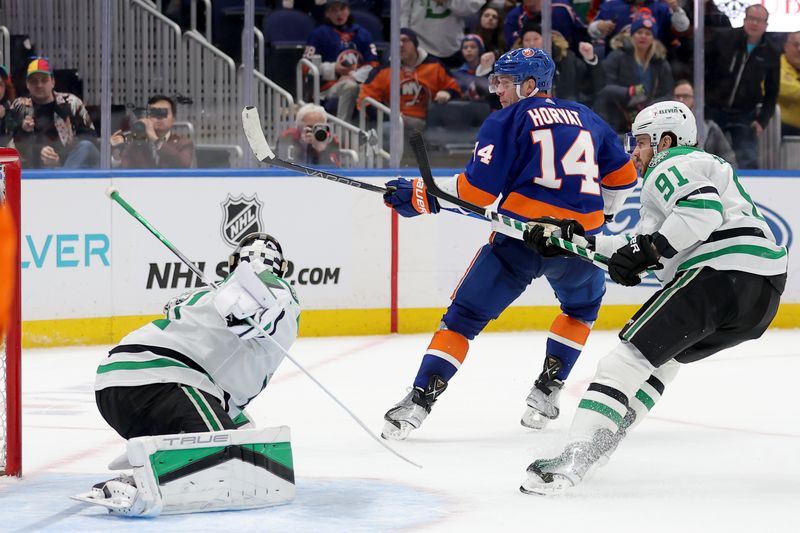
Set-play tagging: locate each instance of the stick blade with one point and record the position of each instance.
(255, 134)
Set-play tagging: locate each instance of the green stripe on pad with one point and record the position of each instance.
(645, 398)
(138, 365)
(603, 409)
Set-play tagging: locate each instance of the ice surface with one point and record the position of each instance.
(718, 453)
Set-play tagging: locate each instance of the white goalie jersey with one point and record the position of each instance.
(205, 340)
(694, 199)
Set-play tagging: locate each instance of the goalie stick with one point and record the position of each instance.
(113, 193)
(261, 149)
(500, 223)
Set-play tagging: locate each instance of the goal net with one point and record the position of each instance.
(10, 314)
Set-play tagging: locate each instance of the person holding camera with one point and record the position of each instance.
(311, 141)
(151, 143)
(52, 129)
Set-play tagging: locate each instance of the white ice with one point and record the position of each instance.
(718, 453)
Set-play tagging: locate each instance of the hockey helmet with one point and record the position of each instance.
(665, 117)
(524, 63)
(263, 247)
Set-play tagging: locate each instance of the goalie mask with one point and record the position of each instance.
(263, 247)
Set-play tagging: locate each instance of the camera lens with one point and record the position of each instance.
(138, 130)
(321, 132)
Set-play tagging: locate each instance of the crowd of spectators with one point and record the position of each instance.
(617, 57)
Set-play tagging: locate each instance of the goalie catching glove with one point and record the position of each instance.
(410, 198)
(537, 236)
(244, 295)
(628, 262)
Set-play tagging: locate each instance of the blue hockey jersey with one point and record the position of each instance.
(546, 157)
(351, 45)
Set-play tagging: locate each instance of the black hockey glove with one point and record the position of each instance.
(540, 229)
(632, 259)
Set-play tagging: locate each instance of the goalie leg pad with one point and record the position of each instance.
(198, 472)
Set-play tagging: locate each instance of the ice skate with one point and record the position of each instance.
(543, 399)
(573, 465)
(412, 410)
(542, 403)
(118, 495)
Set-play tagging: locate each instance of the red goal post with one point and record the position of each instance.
(10, 315)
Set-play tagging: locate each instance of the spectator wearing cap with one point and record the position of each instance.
(439, 25)
(54, 129)
(615, 15)
(789, 94)
(744, 71)
(347, 55)
(577, 79)
(472, 76)
(637, 74)
(422, 79)
(563, 20)
(7, 95)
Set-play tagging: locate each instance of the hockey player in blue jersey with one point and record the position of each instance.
(547, 158)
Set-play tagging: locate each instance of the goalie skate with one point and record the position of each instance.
(542, 404)
(412, 410)
(118, 495)
(573, 465)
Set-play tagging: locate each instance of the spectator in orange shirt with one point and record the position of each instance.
(422, 79)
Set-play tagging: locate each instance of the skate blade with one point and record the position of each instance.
(533, 419)
(536, 485)
(112, 506)
(392, 432)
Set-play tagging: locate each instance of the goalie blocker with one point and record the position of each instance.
(197, 472)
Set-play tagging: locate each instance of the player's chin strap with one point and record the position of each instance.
(519, 94)
(114, 195)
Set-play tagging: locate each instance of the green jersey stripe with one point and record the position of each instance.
(701, 204)
(138, 365)
(603, 409)
(746, 249)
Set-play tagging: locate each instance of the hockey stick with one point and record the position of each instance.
(500, 223)
(115, 196)
(260, 147)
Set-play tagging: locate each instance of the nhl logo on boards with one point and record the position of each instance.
(241, 215)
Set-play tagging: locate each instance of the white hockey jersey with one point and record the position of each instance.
(194, 346)
(696, 201)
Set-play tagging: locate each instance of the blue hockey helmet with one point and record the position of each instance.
(524, 63)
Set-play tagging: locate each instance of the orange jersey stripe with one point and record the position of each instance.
(528, 208)
(624, 175)
(570, 329)
(472, 194)
(451, 343)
